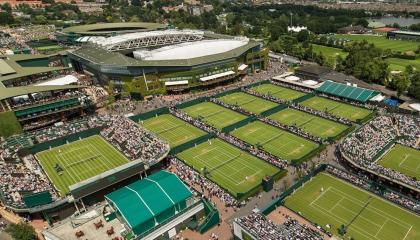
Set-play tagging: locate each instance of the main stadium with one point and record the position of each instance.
(168, 60)
(194, 166)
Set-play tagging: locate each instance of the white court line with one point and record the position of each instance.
(380, 229)
(320, 195)
(407, 233)
(384, 213)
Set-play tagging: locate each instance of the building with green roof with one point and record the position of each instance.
(347, 91)
(31, 95)
(155, 205)
(155, 62)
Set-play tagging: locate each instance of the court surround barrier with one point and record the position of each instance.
(239, 124)
(304, 98)
(191, 143)
(144, 116)
(280, 200)
(63, 140)
(274, 110)
(212, 217)
(192, 102)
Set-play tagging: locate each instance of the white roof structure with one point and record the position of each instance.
(66, 80)
(292, 78)
(174, 83)
(378, 98)
(242, 67)
(310, 82)
(191, 49)
(296, 29)
(215, 76)
(415, 106)
(148, 39)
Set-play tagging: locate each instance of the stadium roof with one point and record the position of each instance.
(145, 199)
(107, 28)
(138, 35)
(192, 49)
(6, 93)
(347, 91)
(100, 56)
(20, 71)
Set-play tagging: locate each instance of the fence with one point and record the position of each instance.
(239, 124)
(279, 201)
(212, 217)
(274, 110)
(192, 102)
(227, 92)
(304, 98)
(63, 140)
(147, 115)
(191, 143)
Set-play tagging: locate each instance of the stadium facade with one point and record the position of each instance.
(153, 62)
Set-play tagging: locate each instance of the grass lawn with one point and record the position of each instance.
(172, 129)
(228, 166)
(248, 102)
(329, 52)
(338, 109)
(278, 91)
(382, 42)
(213, 114)
(9, 124)
(365, 215)
(79, 161)
(403, 159)
(312, 124)
(399, 64)
(275, 141)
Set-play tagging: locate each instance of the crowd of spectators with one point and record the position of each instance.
(134, 141)
(202, 184)
(322, 114)
(292, 86)
(260, 153)
(363, 146)
(264, 229)
(290, 128)
(20, 171)
(362, 182)
(17, 178)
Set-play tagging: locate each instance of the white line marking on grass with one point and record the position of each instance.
(380, 229)
(405, 158)
(407, 233)
(320, 195)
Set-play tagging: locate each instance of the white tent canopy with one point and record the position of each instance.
(66, 80)
(415, 106)
(292, 78)
(378, 98)
(174, 83)
(242, 67)
(215, 76)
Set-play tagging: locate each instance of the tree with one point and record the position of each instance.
(402, 83)
(342, 230)
(362, 22)
(414, 89)
(21, 231)
(302, 36)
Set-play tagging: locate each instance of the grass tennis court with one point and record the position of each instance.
(172, 129)
(77, 161)
(215, 115)
(327, 200)
(338, 109)
(403, 159)
(382, 42)
(228, 166)
(317, 126)
(278, 91)
(275, 141)
(248, 102)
